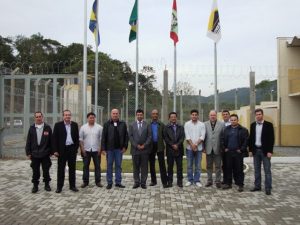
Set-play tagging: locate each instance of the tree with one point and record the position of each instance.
(185, 87)
(6, 50)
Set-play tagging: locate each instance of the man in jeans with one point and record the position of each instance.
(114, 143)
(261, 144)
(194, 135)
(90, 139)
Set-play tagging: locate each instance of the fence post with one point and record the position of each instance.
(126, 105)
(108, 103)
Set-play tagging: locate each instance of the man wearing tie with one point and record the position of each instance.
(261, 144)
(140, 138)
(65, 146)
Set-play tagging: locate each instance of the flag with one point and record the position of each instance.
(214, 28)
(174, 24)
(133, 22)
(94, 21)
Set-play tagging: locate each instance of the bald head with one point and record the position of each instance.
(114, 114)
(213, 115)
(154, 114)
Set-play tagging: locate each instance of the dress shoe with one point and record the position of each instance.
(180, 185)
(143, 186)
(240, 189)
(268, 192)
(120, 186)
(135, 186)
(74, 189)
(208, 184)
(99, 184)
(47, 187)
(58, 190)
(152, 184)
(218, 185)
(35, 189)
(226, 186)
(165, 186)
(109, 186)
(84, 185)
(255, 189)
(170, 185)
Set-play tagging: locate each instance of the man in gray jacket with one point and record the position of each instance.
(212, 146)
(140, 138)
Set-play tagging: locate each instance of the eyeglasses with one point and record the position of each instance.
(38, 116)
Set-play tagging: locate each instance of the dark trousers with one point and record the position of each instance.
(140, 168)
(86, 167)
(223, 170)
(171, 159)
(162, 165)
(68, 155)
(35, 165)
(260, 158)
(234, 163)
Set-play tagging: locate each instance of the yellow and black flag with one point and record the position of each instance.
(214, 28)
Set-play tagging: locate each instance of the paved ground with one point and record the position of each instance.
(152, 206)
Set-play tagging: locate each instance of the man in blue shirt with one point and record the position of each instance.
(157, 148)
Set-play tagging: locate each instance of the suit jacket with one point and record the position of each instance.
(171, 139)
(138, 138)
(267, 137)
(60, 135)
(44, 149)
(160, 136)
(213, 137)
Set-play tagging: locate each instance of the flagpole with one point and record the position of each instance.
(84, 79)
(175, 77)
(216, 78)
(96, 63)
(137, 60)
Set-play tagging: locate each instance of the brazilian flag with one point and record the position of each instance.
(133, 22)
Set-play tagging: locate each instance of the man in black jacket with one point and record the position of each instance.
(174, 138)
(65, 147)
(261, 144)
(114, 143)
(235, 142)
(38, 150)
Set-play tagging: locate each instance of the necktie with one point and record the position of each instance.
(140, 127)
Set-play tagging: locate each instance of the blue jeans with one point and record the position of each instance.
(193, 158)
(259, 158)
(111, 156)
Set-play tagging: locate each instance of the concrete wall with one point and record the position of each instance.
(288, 92)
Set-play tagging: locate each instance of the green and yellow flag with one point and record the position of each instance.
(133, 22)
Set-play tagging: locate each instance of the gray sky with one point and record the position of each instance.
(249, 31)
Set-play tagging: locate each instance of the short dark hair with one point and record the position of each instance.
(172, 113)
(225, 111)
(234, 115)
(66, 110)
(139, 111)
(194, 111)
(90, 114)
(259, 110)
(38, 112)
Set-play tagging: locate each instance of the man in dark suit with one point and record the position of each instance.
(157, 148)
(65, 146)
(140, 138)
(261, 144)
(38, 150)
(174, 138)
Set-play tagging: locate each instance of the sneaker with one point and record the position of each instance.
(198, 184)
(188, 184)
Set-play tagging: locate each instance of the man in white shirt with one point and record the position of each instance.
(90, 146)
(195, 135)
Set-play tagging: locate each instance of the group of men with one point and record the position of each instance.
(225, 144)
